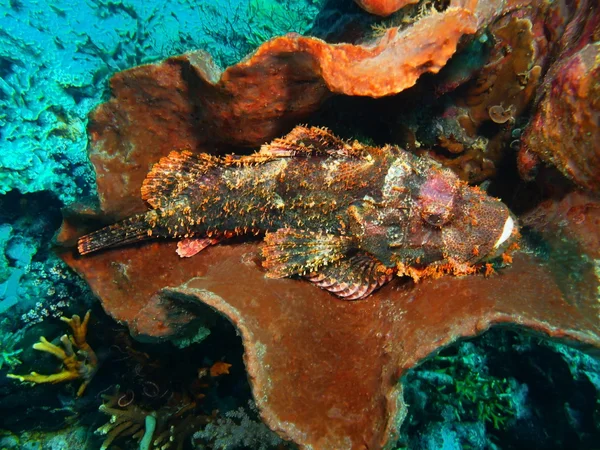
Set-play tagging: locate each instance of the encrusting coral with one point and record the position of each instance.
(495, 95)
(79, 360)
(565, 128)
(384, 7)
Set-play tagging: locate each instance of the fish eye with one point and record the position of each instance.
(436, 200)
(437, 216)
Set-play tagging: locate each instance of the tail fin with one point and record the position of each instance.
(133, 229)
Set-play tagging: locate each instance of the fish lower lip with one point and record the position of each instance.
(507, 232)
(403, 244)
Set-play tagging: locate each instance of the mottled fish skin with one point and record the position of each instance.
(345, 215)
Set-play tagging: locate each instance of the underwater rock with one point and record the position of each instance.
(129, 288)
(574, 217)
(564, 128)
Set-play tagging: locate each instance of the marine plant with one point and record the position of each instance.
(462, 382)
(9, 339)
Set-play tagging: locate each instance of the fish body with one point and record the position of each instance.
(345, 215)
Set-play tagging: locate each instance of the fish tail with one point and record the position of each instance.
(133, 229)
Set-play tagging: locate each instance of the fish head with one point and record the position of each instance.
(428, 216)
(464, 222)
(482, 228)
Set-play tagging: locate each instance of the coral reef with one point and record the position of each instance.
(542, 393)
(56, 59)
(243, 25)
(55, 62)
(456, 391)
(341, 332)
(454, 79)
(78, 438)
(238, 428)
(488, 99)
(327, 208)
(573, 217)
(34, 283)
(9, 339)
(324, 373)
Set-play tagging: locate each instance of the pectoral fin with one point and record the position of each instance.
(191, 246)
(352, 278)
(294, 252)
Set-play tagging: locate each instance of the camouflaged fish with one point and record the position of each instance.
(344, 215)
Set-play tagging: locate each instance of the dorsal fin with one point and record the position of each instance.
(305, 141)
(174, 173)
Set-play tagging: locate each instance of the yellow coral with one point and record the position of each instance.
(81, 364)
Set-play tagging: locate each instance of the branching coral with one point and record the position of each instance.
(78, 358)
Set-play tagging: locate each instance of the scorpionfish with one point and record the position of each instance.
(347, 216)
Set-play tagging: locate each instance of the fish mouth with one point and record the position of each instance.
(510, 233)
(507, 232)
